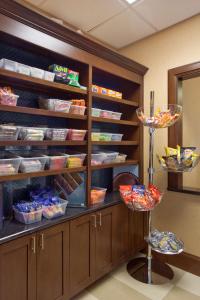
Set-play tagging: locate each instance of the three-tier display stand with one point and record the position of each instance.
(147, 269)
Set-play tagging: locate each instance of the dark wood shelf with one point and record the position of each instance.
(118, 143)
(115, 100)
(42, 143)
(28, 80)
(113, 165)
(21, 176)
(40, 112)
(120, 122)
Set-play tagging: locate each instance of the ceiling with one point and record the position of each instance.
(115, 22)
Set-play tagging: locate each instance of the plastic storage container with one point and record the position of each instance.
(8, 99)
(105, 136)
(120, 158)
(116, 115)
(23, 69)
(110, 157)
(76, 134)
(98, 159)
(32, 162)
(56, 210)
(56, 161)
(9, 163)
(116, 137)
(96, 112)
(38, 73)
(8, 64)
(28, 218)
(77, 109)
(9, 132)
(49, 76)
(56, 134)
(106, 114)
(55, 105)
(97, 195)
(32, 133)
(95, 136)
(75, 160)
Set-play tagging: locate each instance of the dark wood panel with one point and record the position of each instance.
(53, 263)
(21, 176)
(104, 236)
(120, 245)
(136, 232)
(40, 112)
(18, 267)
(29, 81)
(82, 253)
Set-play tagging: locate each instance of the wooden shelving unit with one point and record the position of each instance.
(113, 165)
(115, 100)
(42, 143)
(116, 143)
(111, 121)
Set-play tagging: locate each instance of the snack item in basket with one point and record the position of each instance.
(73, 78)
(61, 73)
(165, 242)
(97, 195)
(55, 104)
(7, 97)
(74, 162)
(28, 166)
(7, 168)
(80, 102)
(31, 134)
(27, 212)
(56, 134)
(8, 132)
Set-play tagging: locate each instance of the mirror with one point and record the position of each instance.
(184, 89)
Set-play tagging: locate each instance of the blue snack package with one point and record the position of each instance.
(140, 189)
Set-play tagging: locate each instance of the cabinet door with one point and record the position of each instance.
(52, 263)
(120, 234)
(82, 252)
(137, 231)
(18, 269)
(103, 261)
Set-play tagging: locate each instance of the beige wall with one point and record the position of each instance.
(191, 125)
(176, 46)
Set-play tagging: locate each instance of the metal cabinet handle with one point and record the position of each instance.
(100, 219)
(33, 244)
(95, 221)
(42, 241)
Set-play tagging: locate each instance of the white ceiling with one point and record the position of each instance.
(116, 22)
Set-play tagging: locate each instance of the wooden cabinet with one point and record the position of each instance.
(53, 263)
(137, 231)
(17, 269)
(82, 251)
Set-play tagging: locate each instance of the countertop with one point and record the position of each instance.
(12, 229)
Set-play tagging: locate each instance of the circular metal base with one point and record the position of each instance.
(161, 272)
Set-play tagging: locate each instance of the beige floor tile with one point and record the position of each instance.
(179, 294)
(190, 283)
(85, 296)
(112, 289)
(178, 274)
(154, 292)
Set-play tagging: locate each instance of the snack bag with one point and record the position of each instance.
(73, 78)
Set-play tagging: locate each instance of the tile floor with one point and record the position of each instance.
(120, 286)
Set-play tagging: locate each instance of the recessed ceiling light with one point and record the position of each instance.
(131, 1)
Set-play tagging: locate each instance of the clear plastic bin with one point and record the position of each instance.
(75, 160)
(56, 134)
(9, 163)
(28, 218)
(97, 159)
(32, 133)
(38, 73)
(9, 132)
(95, 136)
(49, 76)
(8, 64)
(77, 109)
(8, 99)
(23, 69)
(116, 115)
(110, 157)
(56, 161)
(105, 136)
(55, 105)
(32, 162)
(120, 158)
(96, 112)
(53, 211)
(106, 114)
(76, 135)
(97, 195)
(116, 137)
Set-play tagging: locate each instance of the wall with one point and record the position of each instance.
(176, 46)
(191, 132)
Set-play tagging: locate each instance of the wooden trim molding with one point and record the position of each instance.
(175, 79)
(30, 18)
(184, 261)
